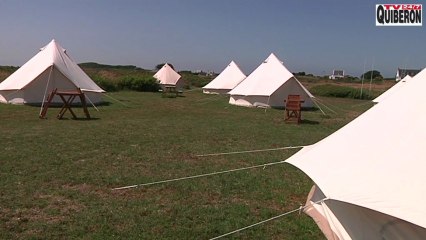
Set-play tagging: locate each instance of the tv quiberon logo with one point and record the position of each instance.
(398, 14)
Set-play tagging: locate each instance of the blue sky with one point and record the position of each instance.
(311, 36)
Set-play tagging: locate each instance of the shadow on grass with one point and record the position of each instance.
(310, 122)
(74, 105)
(173, 96)
(79, 119)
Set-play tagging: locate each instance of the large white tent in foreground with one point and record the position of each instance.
(269, 85)
(49, 69)
(370, 175)
(230, 77)
(168, 77)
(392, 90)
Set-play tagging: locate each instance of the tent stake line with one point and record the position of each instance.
(317, 100)
(197, 176)
(116, 100)
(249, 151)
(299, 209)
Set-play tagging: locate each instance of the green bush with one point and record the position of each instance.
(105, 84)
(329, 90)
(142, 84)
(105, 66)
(134, 83)
(193, 80)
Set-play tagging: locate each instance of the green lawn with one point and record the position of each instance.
(56, 176)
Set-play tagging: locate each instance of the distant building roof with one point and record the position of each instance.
(337, 74)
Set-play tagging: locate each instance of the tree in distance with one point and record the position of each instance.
(159, 66)
(374, 74)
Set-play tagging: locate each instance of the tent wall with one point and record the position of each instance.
(34, 92)
(248, 101)
(290, 87)
(332, 215)
(179, 85)
(12, 96)
(216, 91)
(276, 99)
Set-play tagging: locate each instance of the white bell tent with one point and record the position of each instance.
(49, 69)
(369, 175)
(392, 90)
(230, 77)
(168, 77)
(268, 86)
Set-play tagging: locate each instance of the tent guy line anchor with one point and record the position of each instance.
(299, 209)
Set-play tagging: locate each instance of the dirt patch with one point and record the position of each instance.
(61, 205)
(87, 189)
(47, 209)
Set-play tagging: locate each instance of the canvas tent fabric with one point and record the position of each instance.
(230, 77)
(392, 90)
(168, 77)
(269, 85)
(369, 175)
(50, 68)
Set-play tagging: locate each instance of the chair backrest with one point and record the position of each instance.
(293, 98)
(293, 102)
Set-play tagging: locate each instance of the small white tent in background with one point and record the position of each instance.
(49, 69)
(230, 77)
(369, 175)
(392, 90)
(269, 85)
(168, 77)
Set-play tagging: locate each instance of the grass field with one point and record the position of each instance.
(56, 175)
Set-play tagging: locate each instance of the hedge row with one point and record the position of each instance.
(329, 90)
(142, 84)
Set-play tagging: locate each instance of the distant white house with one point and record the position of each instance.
(337, 74)
(401, 73)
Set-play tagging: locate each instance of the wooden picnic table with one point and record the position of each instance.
(67, 97)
